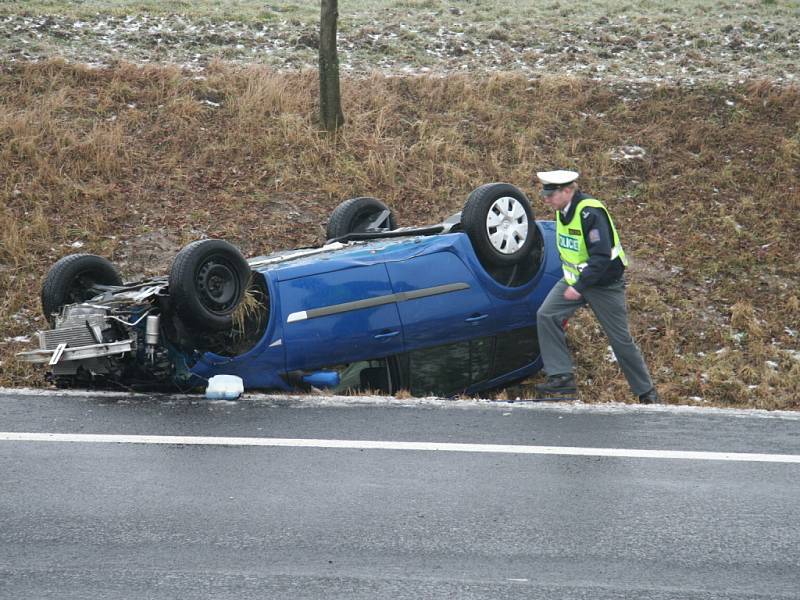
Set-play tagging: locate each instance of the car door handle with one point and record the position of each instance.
(476, 318)
(382, 336)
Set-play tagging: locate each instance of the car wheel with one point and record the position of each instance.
(73, 279)
(499, 221)
(360, 215)
(207, 282)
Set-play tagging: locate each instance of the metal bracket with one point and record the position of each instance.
(57, 354)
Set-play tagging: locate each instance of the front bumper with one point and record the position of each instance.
(66, 354)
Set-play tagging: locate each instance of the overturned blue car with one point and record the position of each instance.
(436, 310)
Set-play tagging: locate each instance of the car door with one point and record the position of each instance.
(439, 300)
(339, 317)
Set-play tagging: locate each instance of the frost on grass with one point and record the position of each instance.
(645, 49)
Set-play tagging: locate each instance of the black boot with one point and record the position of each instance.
(649, 397)
(557, 385)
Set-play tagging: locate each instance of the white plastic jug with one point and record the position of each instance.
(224, 387)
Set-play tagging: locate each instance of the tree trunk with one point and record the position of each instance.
(330, 101)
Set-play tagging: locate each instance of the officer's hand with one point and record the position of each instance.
(571, 294)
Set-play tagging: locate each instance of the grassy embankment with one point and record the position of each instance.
(132, 162)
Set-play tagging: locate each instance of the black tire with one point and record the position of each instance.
(485, 203)
(72, 279)
(207, 281)
(355, 216)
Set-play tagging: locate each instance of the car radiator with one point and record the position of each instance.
(76, 330)
(73, 337)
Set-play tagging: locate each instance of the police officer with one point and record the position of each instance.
(593, 264)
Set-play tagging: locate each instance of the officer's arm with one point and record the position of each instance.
(597, 236)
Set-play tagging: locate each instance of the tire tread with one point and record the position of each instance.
(60, 276)
(342, 216)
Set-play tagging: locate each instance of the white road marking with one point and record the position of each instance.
(390, 445)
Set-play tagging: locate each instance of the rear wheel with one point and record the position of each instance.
(207, 282)
(76, 278)
(360, 215)
(499, 221)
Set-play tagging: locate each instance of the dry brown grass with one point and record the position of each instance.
(247, 310)
(102, 157)
(403, 394)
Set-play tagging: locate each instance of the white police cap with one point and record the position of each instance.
(553, 180)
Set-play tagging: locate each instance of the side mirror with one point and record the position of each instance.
(322, 379)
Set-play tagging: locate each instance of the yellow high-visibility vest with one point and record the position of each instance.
(572, 247)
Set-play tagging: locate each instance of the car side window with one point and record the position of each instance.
(515, 349)
(364, 376)
(448, 369)
(378, 375)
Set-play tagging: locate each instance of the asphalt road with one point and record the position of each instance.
(81, 519)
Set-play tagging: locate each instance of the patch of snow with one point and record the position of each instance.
(628, 152)
(610, 356)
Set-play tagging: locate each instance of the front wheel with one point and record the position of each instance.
(207, 282)
(75, 278)
(499, 221)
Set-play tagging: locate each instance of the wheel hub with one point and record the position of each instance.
(81, 289)
(217, 285)
(507, 225)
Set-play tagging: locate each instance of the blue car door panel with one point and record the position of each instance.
(440, 300)
(344, 315)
